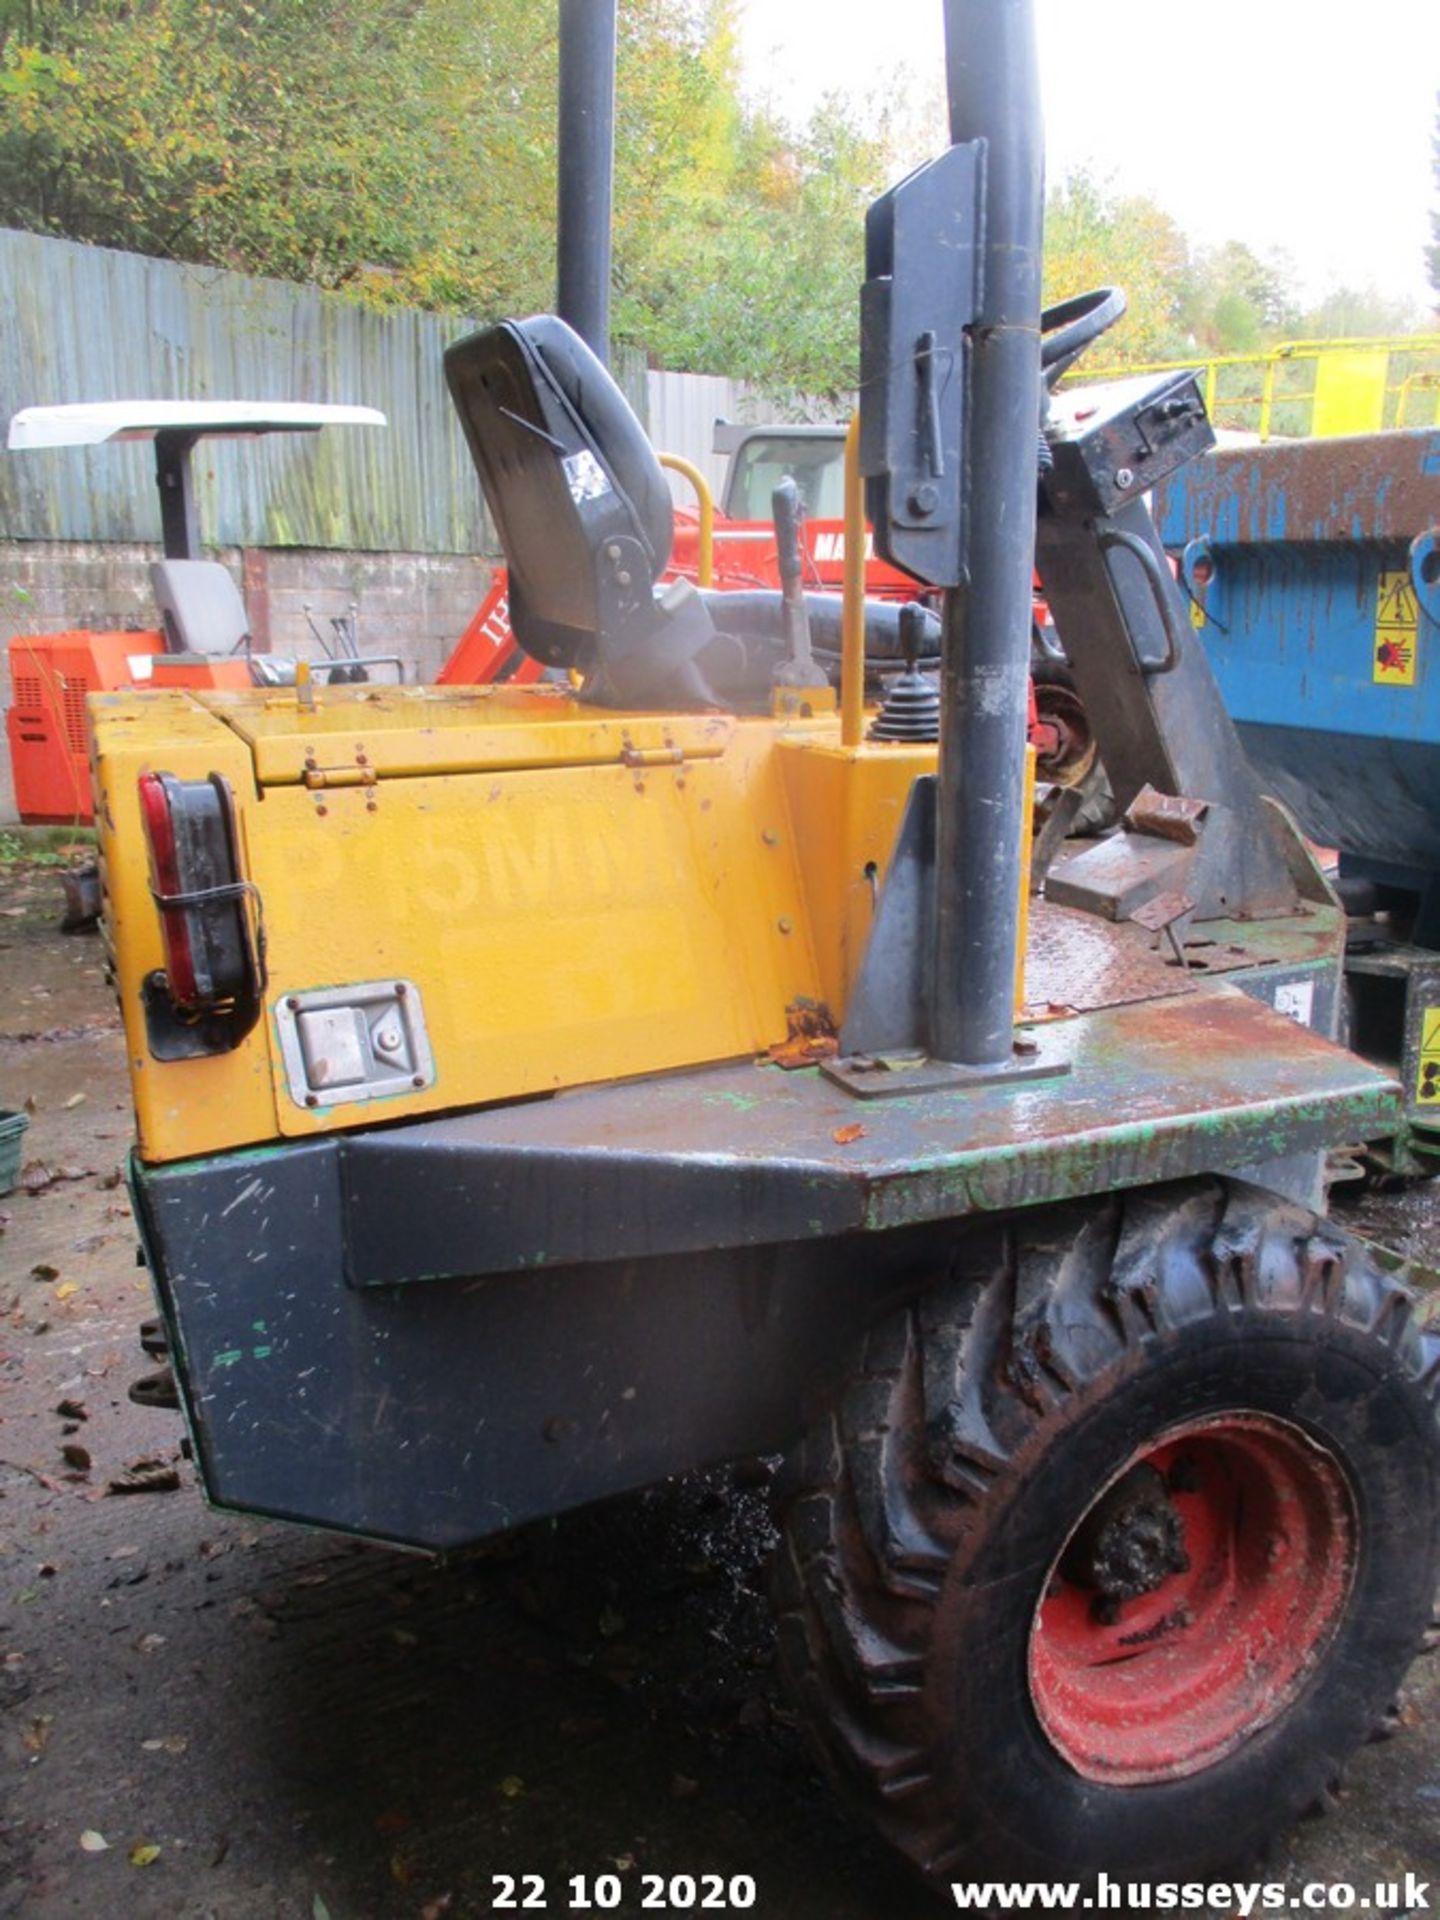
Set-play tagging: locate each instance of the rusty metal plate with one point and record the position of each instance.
(751, 1156)
(1169, 816)
(1078, 961)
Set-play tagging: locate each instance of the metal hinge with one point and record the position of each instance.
(666, 756)
(339, 777)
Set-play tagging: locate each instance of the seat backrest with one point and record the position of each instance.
(200, 607)
(568, 475)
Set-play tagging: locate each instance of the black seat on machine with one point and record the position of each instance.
(583, 513)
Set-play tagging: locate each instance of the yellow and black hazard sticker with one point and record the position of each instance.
(1427, 1082)
(1397, 630)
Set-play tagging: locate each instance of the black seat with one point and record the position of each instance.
(583, 513)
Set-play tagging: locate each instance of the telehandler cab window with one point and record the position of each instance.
(817, 467)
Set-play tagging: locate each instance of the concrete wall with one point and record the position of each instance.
(413, 604)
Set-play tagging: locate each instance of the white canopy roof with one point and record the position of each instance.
(92, 422)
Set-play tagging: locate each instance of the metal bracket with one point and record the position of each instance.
(891, 1076)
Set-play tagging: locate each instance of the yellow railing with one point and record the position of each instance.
(1313, 387)
(705, 568)
(852, 640)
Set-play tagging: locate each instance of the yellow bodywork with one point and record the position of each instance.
(577, 895)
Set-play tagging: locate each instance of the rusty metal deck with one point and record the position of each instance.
(749, 1155)
(557, 1358)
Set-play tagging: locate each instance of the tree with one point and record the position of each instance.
(404, 150)
(1095, 238)
(1358, 313)
(1233, 301)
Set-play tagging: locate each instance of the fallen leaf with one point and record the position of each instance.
(624, 1862)
(76, 1456)
(144, 1853)
(403, 1637)
(37, 1734)
(75, 1100)
(318, 1909)
(843, 1136)
(73, 1410)
(35, 1176)
(512, 1786)
(94, 1842)
(682, 1787)
(610, 1623)
(399, 1869)
(42, 1270)
(146, 1476)
(167, 1743)
(64, 1292)
(437, 1909)
(150, 1643)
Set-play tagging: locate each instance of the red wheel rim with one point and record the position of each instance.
(1160, 1684)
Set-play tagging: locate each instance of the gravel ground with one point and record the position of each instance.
(209, 1716)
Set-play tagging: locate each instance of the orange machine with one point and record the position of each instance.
(202, 639)
(50, 675)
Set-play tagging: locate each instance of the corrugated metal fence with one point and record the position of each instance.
(683, 409)
(86, 323)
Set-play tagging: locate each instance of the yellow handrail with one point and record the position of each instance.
(852, 618)
(706, 565)
(1266, 393)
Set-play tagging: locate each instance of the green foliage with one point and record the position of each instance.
(1358, 313)
(1094, 239)
(45, 846)
(756, 272)
(403, 150)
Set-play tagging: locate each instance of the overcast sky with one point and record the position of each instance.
(1277, 122)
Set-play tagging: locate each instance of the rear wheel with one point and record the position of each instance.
(1119, 1539)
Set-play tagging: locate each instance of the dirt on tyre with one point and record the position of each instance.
(1119, 1539)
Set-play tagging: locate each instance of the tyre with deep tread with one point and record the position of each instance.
(925, 1527)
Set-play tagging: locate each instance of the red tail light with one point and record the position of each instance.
(208, 996)
(167, 885)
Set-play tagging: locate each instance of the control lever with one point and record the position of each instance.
(798, 669)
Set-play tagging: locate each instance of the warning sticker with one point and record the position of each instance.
(1427, 1085)
(1397, 630)
(1297, 998)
